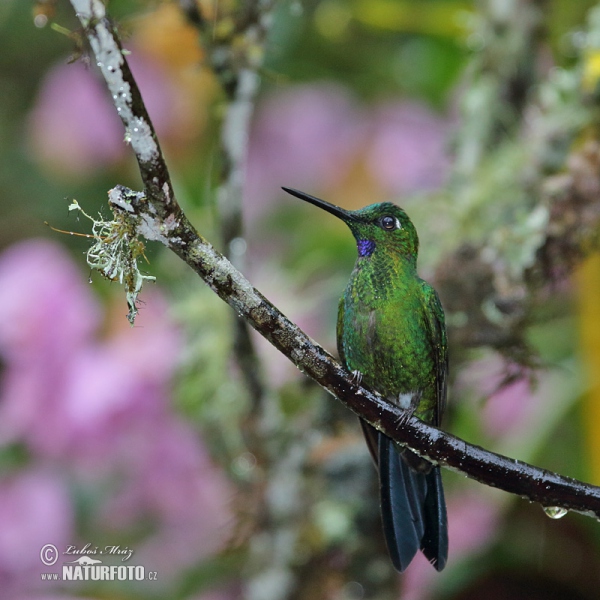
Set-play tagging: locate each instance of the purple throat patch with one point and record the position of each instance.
(365, 247)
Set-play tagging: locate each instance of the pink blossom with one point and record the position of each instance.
(117, 386)
(45, 308)
(73, 127)
(172, 481)
(508, 406)
(35, 510)
(473, 519)
(64, 393)
(47, 596)
(317, 137)
(303, 137)
(407, 152)
(46, 317)
(99, 410)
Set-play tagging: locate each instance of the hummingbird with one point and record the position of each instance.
(391, 336)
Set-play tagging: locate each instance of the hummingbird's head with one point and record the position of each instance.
(383, 226)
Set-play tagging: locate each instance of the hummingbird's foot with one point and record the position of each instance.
(407, 413)
(408, 402)
(357, 377)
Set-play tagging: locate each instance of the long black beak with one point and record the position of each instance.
(345, 215)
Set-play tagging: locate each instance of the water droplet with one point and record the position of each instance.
(90, 279)
(296, 9)
(555, 512)
(238, 246)
(244, 463)
(353, 591)
(40, 20)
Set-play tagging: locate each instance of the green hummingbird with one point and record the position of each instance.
(391, 335)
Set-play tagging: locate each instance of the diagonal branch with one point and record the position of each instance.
(533, 483)
(156, 215)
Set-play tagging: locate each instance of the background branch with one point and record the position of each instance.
(233, 40)
(234, 45)
(508, 93)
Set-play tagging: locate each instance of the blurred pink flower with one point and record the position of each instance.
(120, 385)
(35, 510)
(171, 480)
(47, 596)
(302, 137)
(314, 137)
(73, 128)
(65, 394)
(45, 320)
(507, 407)
(472, 522)
(42, 308)
(407, 152)
(100, 410)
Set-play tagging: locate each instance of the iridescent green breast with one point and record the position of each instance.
(384, 332)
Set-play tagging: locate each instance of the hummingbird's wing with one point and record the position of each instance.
(437, 331)
(434, 543)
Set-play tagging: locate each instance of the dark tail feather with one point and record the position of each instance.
(412, 508)
(435, 541)
(402, 499)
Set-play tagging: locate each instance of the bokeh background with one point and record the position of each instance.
(479, 118)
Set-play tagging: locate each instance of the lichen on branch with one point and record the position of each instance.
(115, 253)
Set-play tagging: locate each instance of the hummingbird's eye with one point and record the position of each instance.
(389, 223)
